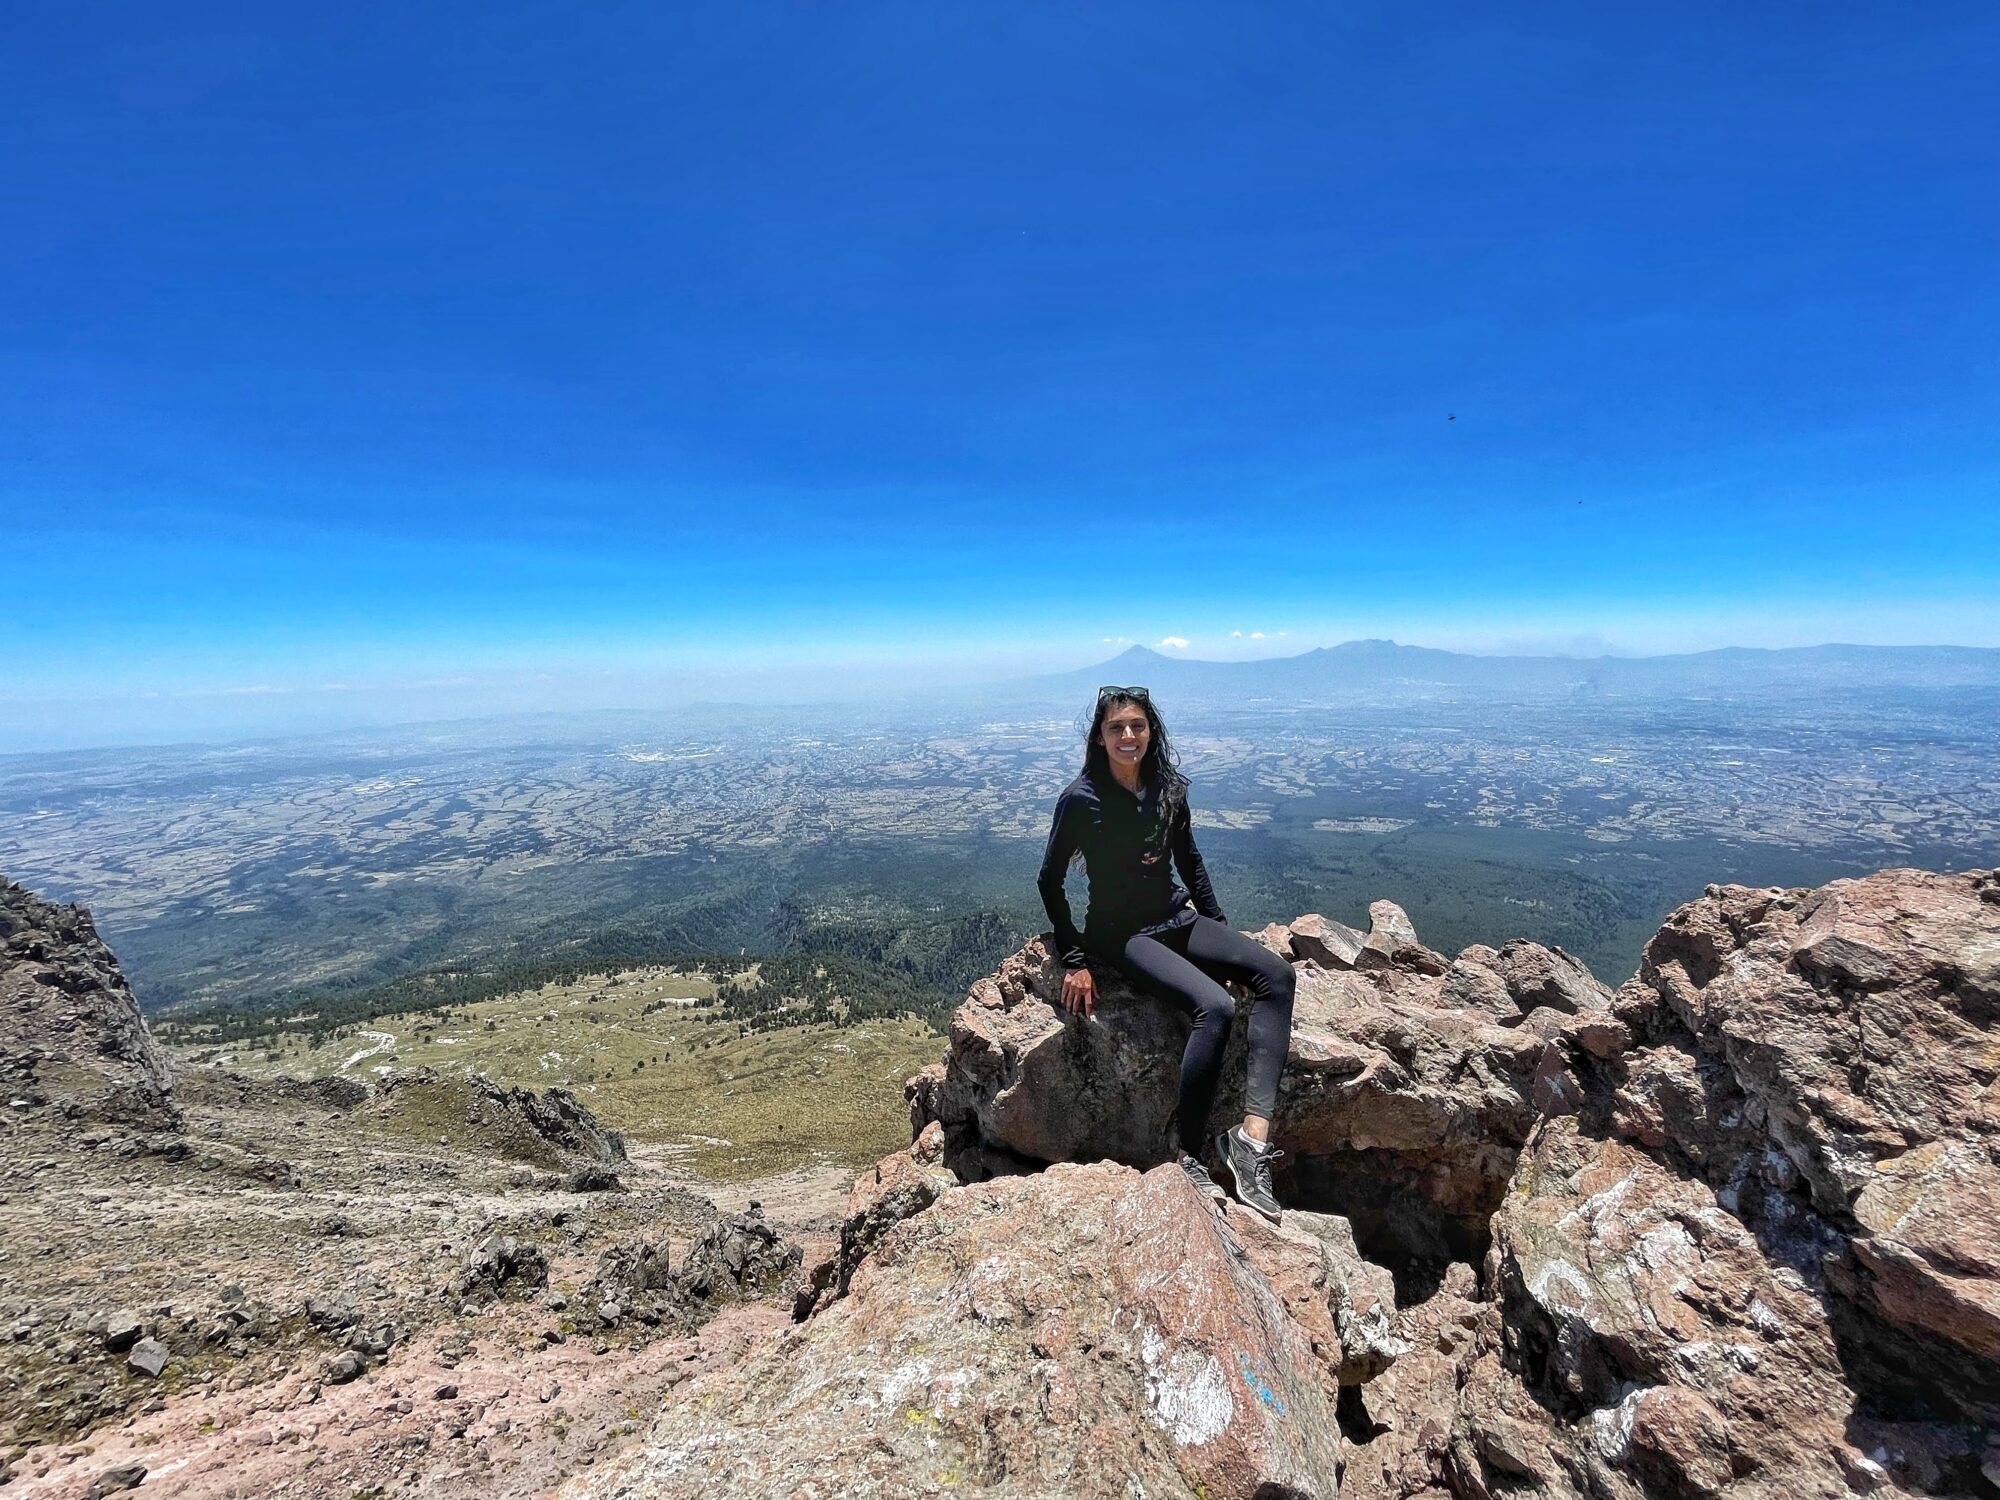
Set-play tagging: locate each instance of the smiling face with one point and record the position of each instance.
(1125, 734)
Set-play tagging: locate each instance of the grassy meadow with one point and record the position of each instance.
(652, 1054)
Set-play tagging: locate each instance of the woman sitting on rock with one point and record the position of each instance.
(1125, 814)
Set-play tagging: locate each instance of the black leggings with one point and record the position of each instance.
(1184, 966)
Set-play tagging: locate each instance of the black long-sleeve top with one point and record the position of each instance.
(1125, 844)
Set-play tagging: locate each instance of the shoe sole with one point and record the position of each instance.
(1214, 1189)
(1236, 1184)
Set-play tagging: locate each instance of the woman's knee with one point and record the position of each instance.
(1216, 1004)
(1277, 979)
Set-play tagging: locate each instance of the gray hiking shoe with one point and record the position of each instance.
(1198, 1175)
(1249, 1171)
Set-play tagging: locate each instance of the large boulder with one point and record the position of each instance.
(1084, 1331)
(1025, 1084)
(71, 1036)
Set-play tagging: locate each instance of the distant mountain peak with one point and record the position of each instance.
(1137, 654)
(1372, 646)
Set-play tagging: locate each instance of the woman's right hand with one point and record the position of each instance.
(1079, 996)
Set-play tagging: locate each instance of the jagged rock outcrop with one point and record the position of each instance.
(498, 1266)
(1829, 1062)
(1680, 1358)
(739, 1255)
(71, 1037)
(551, 1128)
(635, 1282)
(731, 1258)
(898, 1187)
(1403, 1104)
(1730, 1230)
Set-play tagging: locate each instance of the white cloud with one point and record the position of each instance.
(1178, 643)
(1118, 640)
(1236, 635)
(1256, 635)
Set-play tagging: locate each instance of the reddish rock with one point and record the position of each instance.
(1839, 1082)
(1345, 1305)
(1402, 1429)
(1278, 938)
(1324, 943)
(1537, 976)
(1652, 1317)
(1083, 1331)
(1026, 1083)
(1473, 981)
(1751, 1248)
(1389, 928)
(1390, 1099)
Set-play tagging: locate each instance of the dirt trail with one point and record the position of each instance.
(383, 1042)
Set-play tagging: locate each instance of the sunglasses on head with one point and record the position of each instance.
(1123, 692)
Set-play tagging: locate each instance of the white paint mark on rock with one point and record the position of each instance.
(1189, 1392)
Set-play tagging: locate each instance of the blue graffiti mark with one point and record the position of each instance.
(1256, 1383)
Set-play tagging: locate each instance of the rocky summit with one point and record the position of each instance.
(1731, 1229)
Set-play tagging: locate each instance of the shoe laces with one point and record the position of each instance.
(1261, 1166)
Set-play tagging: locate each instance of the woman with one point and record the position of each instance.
(1125, 815)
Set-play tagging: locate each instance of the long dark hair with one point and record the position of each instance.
(1161, 767)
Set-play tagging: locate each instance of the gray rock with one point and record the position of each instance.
(740, 1256)
(115, 1481)
(637, 1280)
(148, 1357)
(120, 1330)
(498, 1266)
(552, 1129)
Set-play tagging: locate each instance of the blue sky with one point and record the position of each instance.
(375, 344)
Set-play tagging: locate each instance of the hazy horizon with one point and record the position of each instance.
(235, 714)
